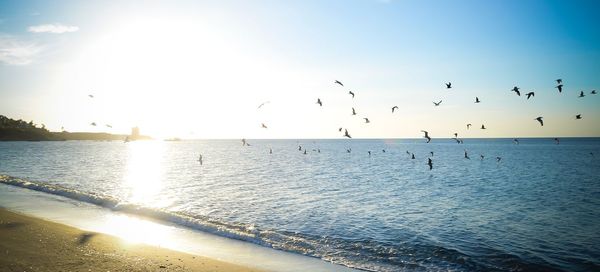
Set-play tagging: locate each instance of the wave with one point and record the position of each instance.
(363, 254)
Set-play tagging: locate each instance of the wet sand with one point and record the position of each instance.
(32, 244)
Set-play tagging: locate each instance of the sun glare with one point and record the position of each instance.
(144, 172)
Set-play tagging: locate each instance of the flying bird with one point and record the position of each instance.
(498, 159)
(477, 100)
(539, 119)
(340, 129)
(483, 127)
(412, 156)
(319, 102)
(346, 134)
(559, 81)
(263, 125)
(530, 94)
(367, 120)
(337, 82)
(430, 163)
(431, 152)
(559, 87)
(437, 104)
(93, 124)
(350, 92)
(516, 141)
(448, 85)
(394, 108)
(581, 94)
(426, 136)
(91, 95)
(469, 126)
(262, 104)
(516, 90)
(578, 116)
(481, 156)
(467, 155)
(353, 111)
(455, 135)
(369, 153)
(348, 150)
(593, 92)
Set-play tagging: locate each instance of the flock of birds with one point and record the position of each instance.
(426, 135)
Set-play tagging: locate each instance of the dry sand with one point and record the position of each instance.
(32, 244)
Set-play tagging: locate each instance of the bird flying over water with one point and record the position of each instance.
(350, 92)
(340, 129)
(559, 87)
(593, 92)
(516, 141)
(438, 103)
(539, 119)
(93, 124)
(346, 134)
(426, 136)
(91, 95)
(263, 125)
(367, 120)
(469, 126)
(467, 155)
(353, 111)
(262, 104)
(394, 108)
(448, 85)
(319, 102)
(581, 94)
(483, 126)
(557, 141)
(337, 82)
(455, 135)
(482, 156)
(559, 81)
(530, 94)
(430, 163)
(578, 116)
(516, 90)
(498, 159)
(477, 100)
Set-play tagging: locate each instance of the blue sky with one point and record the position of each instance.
(200, 68)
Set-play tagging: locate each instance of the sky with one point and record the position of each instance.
(200, 69)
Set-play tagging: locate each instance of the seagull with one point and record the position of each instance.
(270, 150)
(530, 94)
(458, 141)
(412, 156)
(200, 159)
(483, 127)
(346, 134)
(430, 163)
(593, 92)
(109, 126)
(581, 94)
(340, 129)
(91, 96)
(516, 141)
(559, 88)
(369, 153)
(559, 81)
(426, 136)
(477, 100)
(337, 82)
(438, 103)
(93, 124)
(244, 142)
(431, 152)
(467, 155)
(482, 157)
(319, 102)
(348, 150)
(448, 85)
(539, 119)
(516, 90)
(263, 125)
(304, 151)
(557, 140)
(455, 135)
(578, 116)
(353, 111)
(407, 152)
(299, 148)
(394, 108)
(498, 159)
(469, 126)
(350, 92)
(259, 106)
(367, 120)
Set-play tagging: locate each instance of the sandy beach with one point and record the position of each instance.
(32, 244)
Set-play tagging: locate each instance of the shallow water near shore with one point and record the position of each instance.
(538, 208)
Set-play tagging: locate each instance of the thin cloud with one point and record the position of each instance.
(52, 28)
(17, 52)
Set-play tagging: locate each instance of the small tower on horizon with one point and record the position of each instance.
(135, 133)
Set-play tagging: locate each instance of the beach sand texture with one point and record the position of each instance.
(32, 244)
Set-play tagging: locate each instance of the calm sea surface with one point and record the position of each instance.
(536, 209)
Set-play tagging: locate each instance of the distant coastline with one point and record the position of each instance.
(19, 130)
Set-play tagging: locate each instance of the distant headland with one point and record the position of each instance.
(19, 130)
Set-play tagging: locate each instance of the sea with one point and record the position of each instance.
(531, 206)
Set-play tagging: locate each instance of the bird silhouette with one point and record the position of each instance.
(516, 141)
(557, 141)
(477, 100)
(539, 119)
(581, 94)
(337, 82)
(448, 85)
(263, 125)
(481, 156)
(469, 126)
(340, 129)
(350, 92)
(91, 95)
(530, 94)
(244, 143)
(369, 153)
(346, 134)
(299, 148)
(367, 120)
(467, 155)
(438, 103)
(262, 104)
(483, 126)
(394, 108)
(559, 87)
(430, 163)
(383, 150)
(458, 141)
(559, 81)
(412, 156)
(319, 102)
(593, 92)
(93, 124)
(516, 90)
(426, 136)
(200, 159)
(455, 135)
(348, 150)
(578, 116)
(498, 159)
(353, 111)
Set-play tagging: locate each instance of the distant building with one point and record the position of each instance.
(135, 133)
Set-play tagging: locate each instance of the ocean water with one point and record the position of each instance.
(538, 209)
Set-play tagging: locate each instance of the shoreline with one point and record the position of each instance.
(31, 243)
